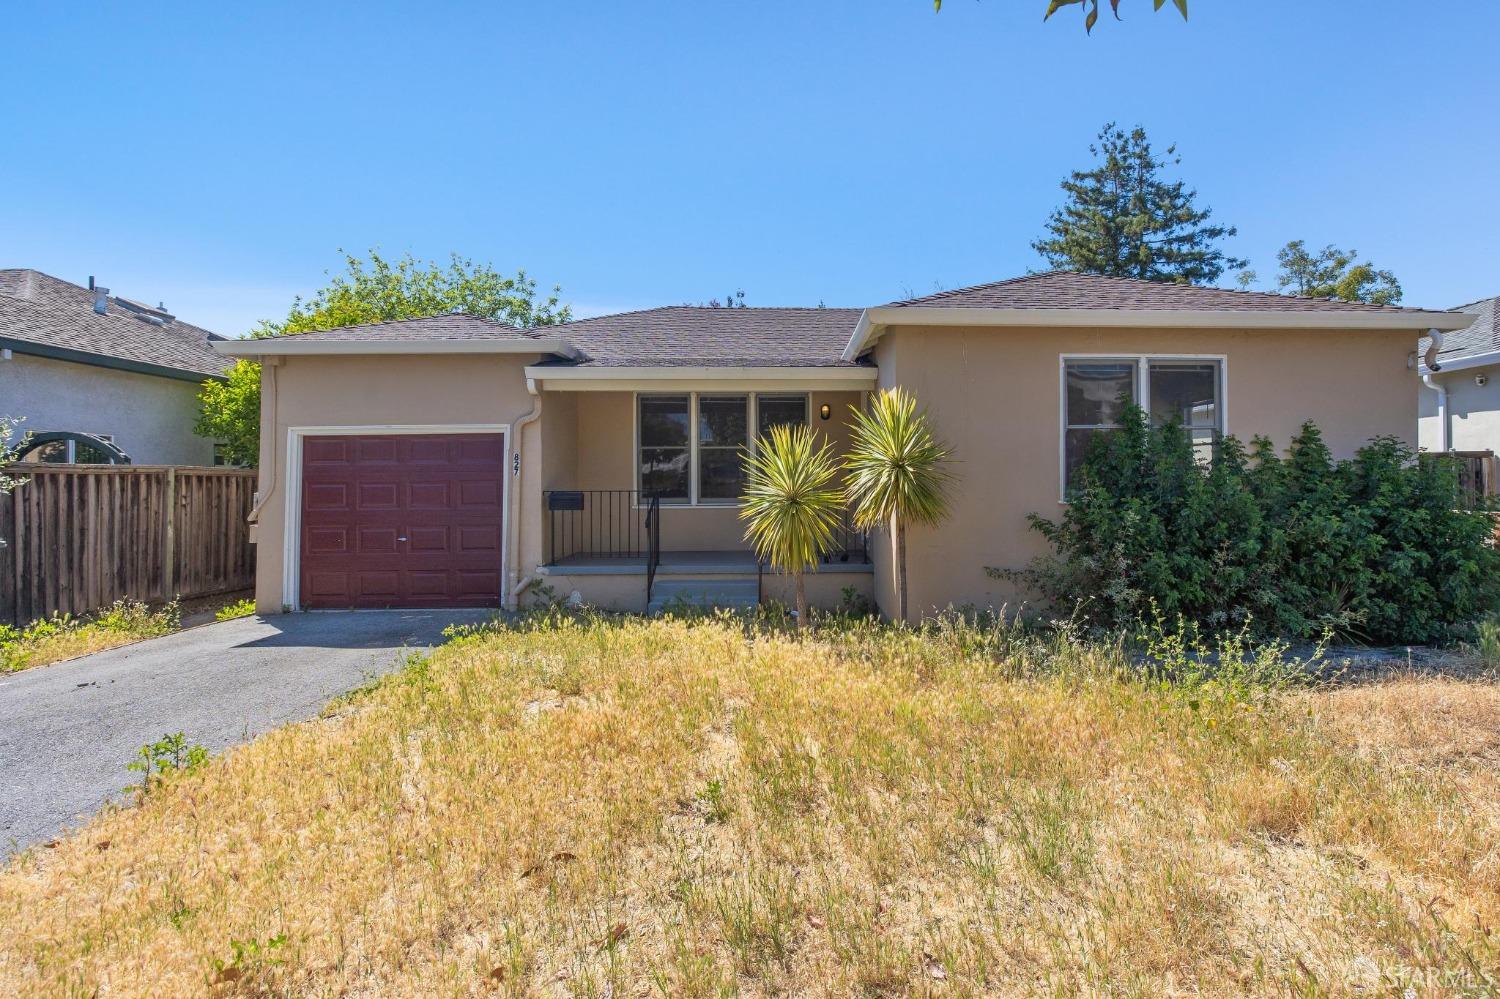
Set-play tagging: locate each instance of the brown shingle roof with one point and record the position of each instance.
(1069, 290)
(1481, 337)
(52, 313)
(450, 326)
(689, 336)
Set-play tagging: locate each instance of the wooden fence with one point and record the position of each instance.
(79, 537)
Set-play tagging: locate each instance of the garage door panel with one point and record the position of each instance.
(330, 586)
(326, 496)
(379, 585)
(427, 495)
(378, 496)
(427, 584)
(478, 493)
(479, 451)
(377, 541)
(442, 494)
(317, 451)
(328, 540)
(376, 451)
(478, 540)
(429, 541)
(474, 584)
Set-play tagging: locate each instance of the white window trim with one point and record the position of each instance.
(291, 553)
(1142, 364)
(752, 424)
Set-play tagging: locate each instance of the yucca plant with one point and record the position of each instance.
(896, 473)
(791, 504)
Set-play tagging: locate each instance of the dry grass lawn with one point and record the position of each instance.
(43, 643)
(628, 808)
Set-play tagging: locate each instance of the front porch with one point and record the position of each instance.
(674, 533)
(615, 550)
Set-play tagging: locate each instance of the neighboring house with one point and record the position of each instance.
(74, 360)
(1461, 412)
(452, 460)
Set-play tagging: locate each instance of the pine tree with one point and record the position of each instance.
(1124, 219)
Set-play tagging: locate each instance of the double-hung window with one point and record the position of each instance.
(666, 453)
(723, 433)
(1096, 391)
(692, 445)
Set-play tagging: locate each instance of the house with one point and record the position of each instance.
(1461, 410)
(76, 361)
(455, 461)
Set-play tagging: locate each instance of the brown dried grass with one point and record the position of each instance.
(671, 808)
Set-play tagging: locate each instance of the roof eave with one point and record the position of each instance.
(1470, 361)
(638, 377)
(873, 323)
(290, 347)
(47, 350)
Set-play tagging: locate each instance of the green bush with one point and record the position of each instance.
(1374, 548)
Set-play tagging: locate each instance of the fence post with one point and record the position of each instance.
(169, 538)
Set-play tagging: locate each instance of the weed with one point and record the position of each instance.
(240, 608)
(157, 762)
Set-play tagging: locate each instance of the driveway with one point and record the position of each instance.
(67, 731)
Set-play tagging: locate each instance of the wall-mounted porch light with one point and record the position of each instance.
(825, 411)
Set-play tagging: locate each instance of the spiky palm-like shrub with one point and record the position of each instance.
(897, 473)
(791, 506)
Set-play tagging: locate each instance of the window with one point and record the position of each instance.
(1096, 391)
(665, 453)
(692, 445)
(1189, 392)
(723, 430)
(776, 410)
(1097, 394)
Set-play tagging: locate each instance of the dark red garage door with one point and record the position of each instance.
(402, 520)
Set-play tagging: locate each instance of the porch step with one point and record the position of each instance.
(725, 591)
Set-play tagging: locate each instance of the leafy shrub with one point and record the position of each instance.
(240, 608)
(1372, 548)
(64, 636)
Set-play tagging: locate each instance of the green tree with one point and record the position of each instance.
(9, 441)
(897, 473)
(1334, 273)
(229, 412)
(371, 291)
(790, 504)
(380, 289)
(1091, 9)
(1123, 218)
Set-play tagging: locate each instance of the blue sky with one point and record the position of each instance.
(216, 156)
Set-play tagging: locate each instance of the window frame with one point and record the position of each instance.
(752, 426)
(1142, 364)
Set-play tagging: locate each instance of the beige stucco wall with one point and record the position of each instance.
(1473, 411)
(400, 390)
(994, 395)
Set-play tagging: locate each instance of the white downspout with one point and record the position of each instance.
(1430, 359)
(1442, 410)
(268, 483)
(513, 592)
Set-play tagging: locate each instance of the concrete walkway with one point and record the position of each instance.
(67, 731)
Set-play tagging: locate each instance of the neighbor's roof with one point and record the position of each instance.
(1069, 290)
(51, 317)
(1479, 338)
(700, 336)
